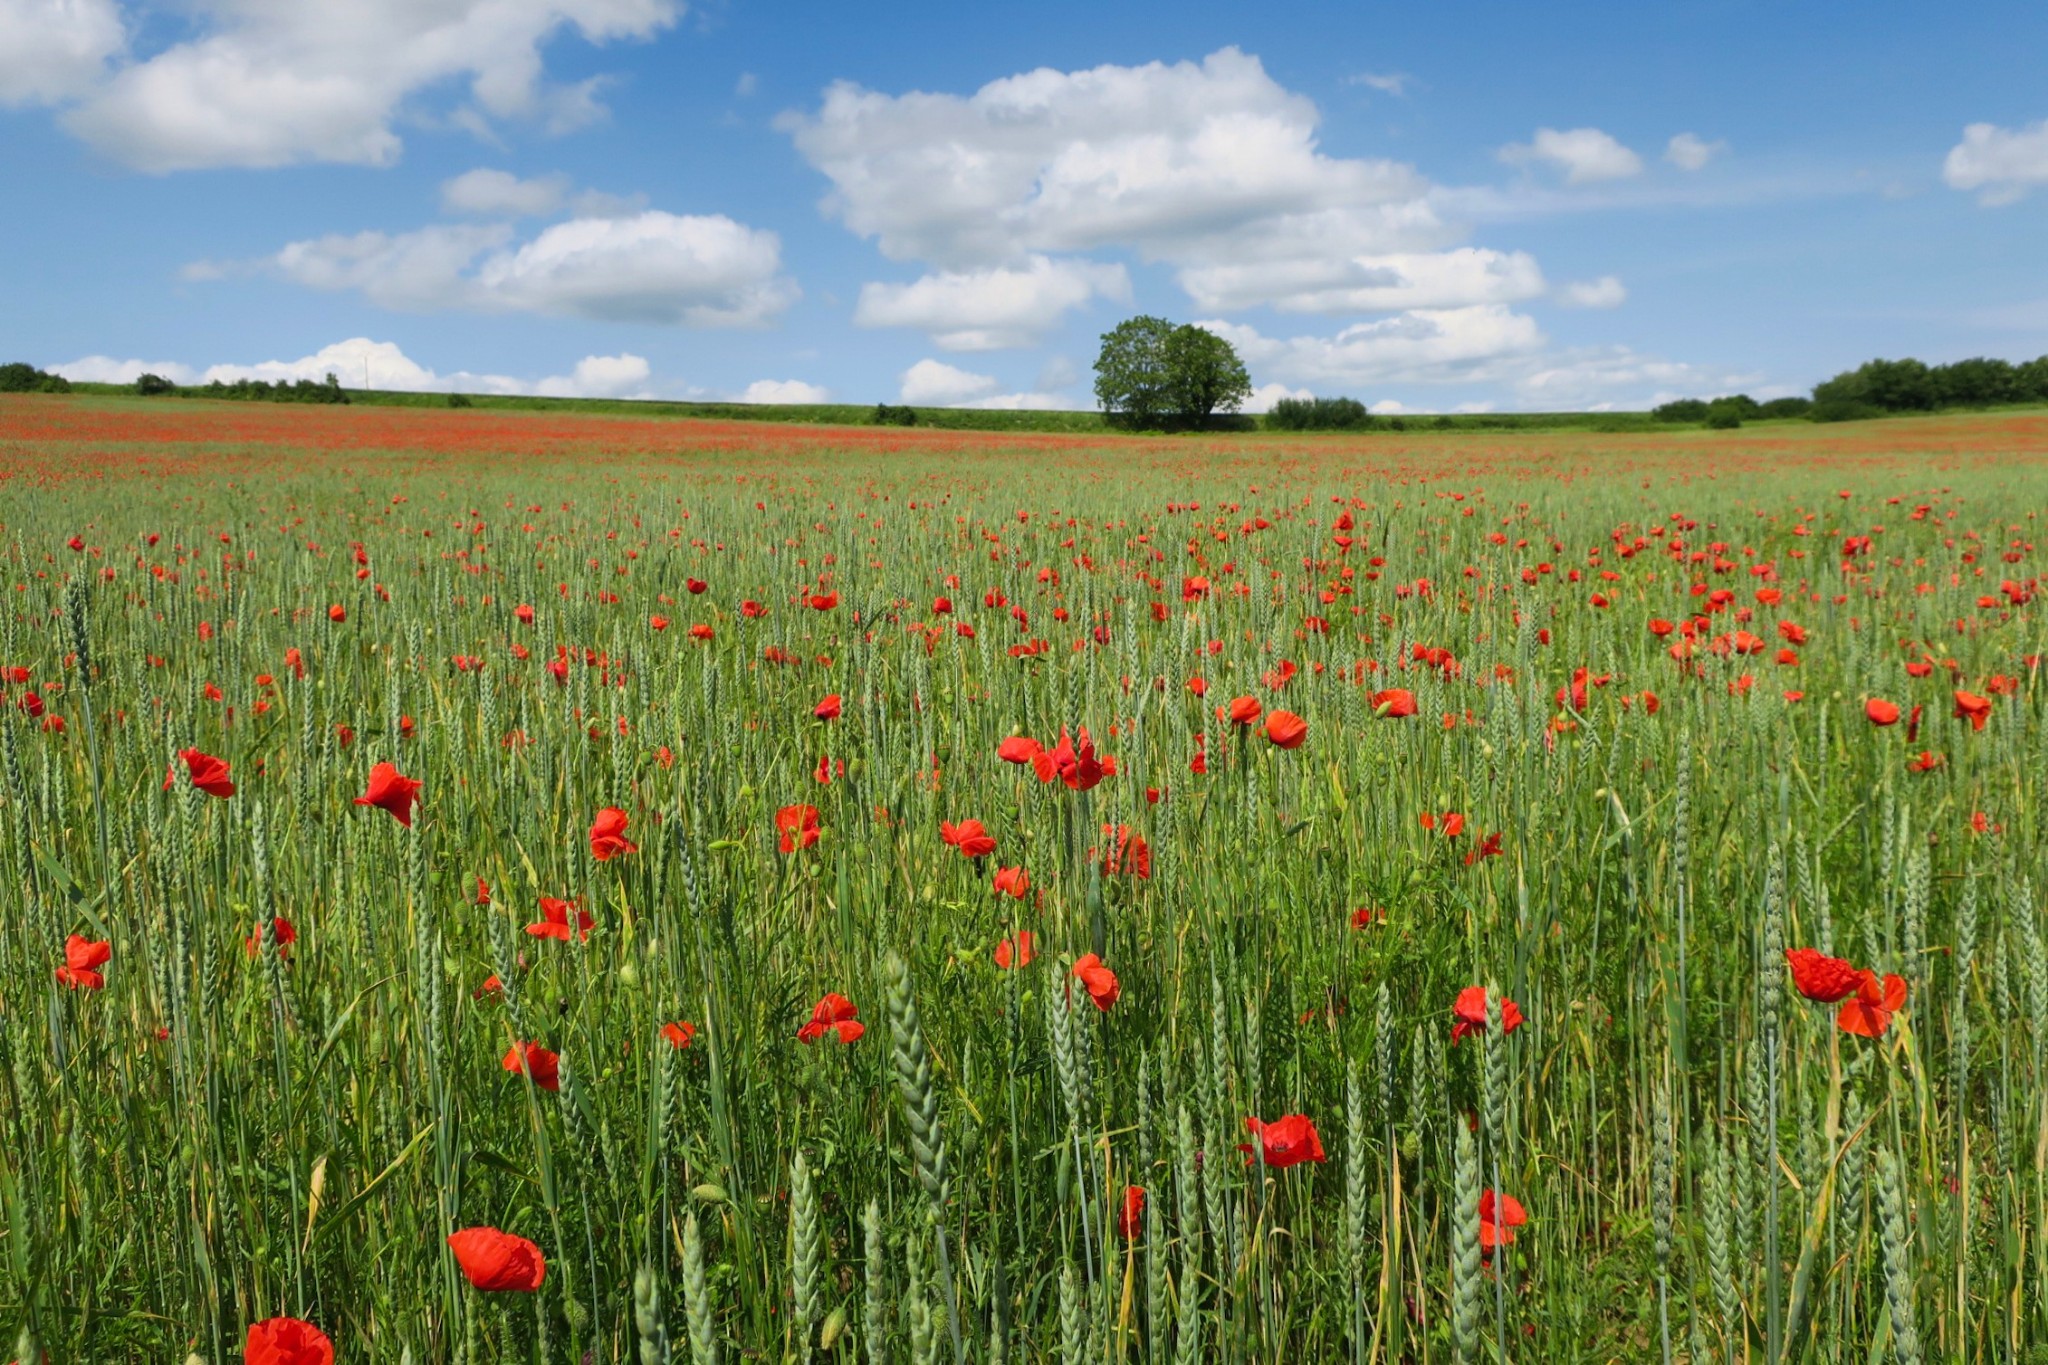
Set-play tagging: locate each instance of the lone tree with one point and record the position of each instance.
(1151, 372)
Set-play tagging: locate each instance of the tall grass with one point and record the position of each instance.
(237, 1127)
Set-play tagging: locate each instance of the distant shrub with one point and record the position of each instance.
(22, 377)
(1397, 424)
(460, 400)
(151, 385)
(1318, 414)
(1843, 410)
(1779, 408)
(1722, 419)
(1681, 410)
(1444, 422)
(887, 415)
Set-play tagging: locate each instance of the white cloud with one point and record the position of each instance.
(1585, 155)
(647, 267)
(784, 391)
(1266, 395)
(1617, 377)
(1388, 407)
(272, 84)
(500, 194)
(1393, 83)
(600, 376)
(53, 50)
(360, 362)
(1368, 284)
(2001, 163)
(746, 85)
(1197, 165)
(987, 310)
(1423, 345)
(937, 384)
(1605, 292)
(1689, 151)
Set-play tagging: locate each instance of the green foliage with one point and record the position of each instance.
(460, 400)
(1889, 386)
(1151, 373)
(1681, 410)
(1319, 414)
(150, 385)
(886, 415)
(21, 377)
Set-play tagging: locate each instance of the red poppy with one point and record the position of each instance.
(543, 1066)
(1869, 1013)
(286, 937)
(554, 920)
(391, 791)
(1019, 749)
(799, 827)
(608, 835)
(83, 957)
(1973, 708)
(752, 610)
(680, 1033)
(1012, 882)
(1284, 1142)
(1101, 983)
(497, 1261)
(483, 892)
(1926, 763)
(1881, 712)
(492, 986)
(823, 601)
(1394, 703)
(207, 773)
(1450, 824)
(834, 1014)
(695, 585)
(1817, 976)
(1470, 1013)
(337, 613)
(1076, 762)
(1128, 854)
(828, 709)
(1366, 915)
(1130, 1220)
(1017, 950)
(969, 837)
(525, 614)
(1488, 847)
(1499, 1216)
(287, 1341)
(1245, 710)
(1286, 729)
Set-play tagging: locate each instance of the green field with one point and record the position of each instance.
(1639, 666)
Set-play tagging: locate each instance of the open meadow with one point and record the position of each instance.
(522, 887)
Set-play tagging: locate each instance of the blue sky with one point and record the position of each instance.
(1429, 207)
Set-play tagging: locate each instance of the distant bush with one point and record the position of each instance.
(1318, 414)
(460, 400)
(1842, 410)
(1722, 418)
(328, 390)
(1780, 408)
(1914, 386)
(893, 416)
(22, 377)
(1681, 410)
(151, 385)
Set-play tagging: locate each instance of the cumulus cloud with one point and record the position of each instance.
(784, 391)
(992, 309)
(500, 194)
(1423, 345)
(1587, 156)
(1617, 377)
(645, 267)
(600, 376)
(1266, 395)
(1368, 284)
(360, 362)
(1689, 151)
(1605, 292)
(935, 384)
(260, 85)
(53, 50)
(1203, 166)
(2002, 164)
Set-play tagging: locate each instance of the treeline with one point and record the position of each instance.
(1880, 388)
(21, 377)
(328, 390)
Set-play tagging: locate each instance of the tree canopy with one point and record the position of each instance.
(1153, 373)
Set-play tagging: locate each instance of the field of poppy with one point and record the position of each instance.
(509, 887)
